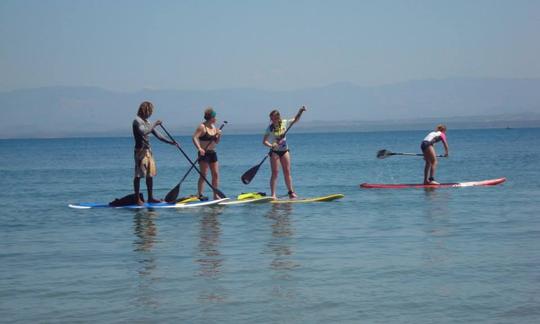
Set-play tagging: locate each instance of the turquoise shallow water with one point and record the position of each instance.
(467, 255)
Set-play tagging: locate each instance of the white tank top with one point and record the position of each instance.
(435, 137)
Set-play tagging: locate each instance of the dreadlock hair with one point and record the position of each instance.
(145, 109)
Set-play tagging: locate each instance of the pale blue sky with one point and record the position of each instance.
(273, 45)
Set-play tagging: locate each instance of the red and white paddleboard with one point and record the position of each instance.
(490, 182)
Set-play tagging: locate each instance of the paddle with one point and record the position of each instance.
(173, 194)
(217, 191)
(381, 154)
(250, 174)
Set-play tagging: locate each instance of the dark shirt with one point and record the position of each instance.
(141, 129)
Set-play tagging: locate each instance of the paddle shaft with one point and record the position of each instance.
(412, 154)
(221, 194)
(381, 154)
(264, 159)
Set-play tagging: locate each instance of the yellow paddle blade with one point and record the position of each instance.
(189, 199)
(249, 195)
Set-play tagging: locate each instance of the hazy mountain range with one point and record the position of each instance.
(459, 102)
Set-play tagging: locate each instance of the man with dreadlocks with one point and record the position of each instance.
(145, 166)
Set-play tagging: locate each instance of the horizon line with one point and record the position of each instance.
(349, 83)
(300, 131)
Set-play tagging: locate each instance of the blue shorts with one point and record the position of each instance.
(425, 145)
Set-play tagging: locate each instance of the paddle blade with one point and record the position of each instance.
(173, 194)
(383, 153)
(220, 193)
(250, 174)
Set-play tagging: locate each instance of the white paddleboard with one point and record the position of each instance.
(191, 204)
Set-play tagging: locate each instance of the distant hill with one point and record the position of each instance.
(461, 102)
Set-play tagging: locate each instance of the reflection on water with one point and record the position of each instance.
(436, 205)
(436, 253)
(282, 233)
(145, 231)
(209, 257)
(210, 260)
(281, 246)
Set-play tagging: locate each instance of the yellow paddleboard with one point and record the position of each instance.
(247, 201)
(308, 200)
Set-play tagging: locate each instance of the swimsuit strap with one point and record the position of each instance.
(206, 136)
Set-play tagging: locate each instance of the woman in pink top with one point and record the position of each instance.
(429, 152)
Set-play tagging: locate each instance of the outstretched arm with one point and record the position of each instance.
(160, 136)
(446, 150)
(445, 143)
(299, 114)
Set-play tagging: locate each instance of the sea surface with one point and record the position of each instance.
(469, 255)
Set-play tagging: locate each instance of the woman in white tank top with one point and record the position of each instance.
(439, 135)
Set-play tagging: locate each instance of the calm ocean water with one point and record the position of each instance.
(469, 255)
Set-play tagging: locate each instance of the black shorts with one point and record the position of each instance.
(425, 145)
(280, 153)
(209, 157)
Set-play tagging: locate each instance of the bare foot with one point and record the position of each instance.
(433, 182)
(154, 201)
(139, 202)
(292, 195)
